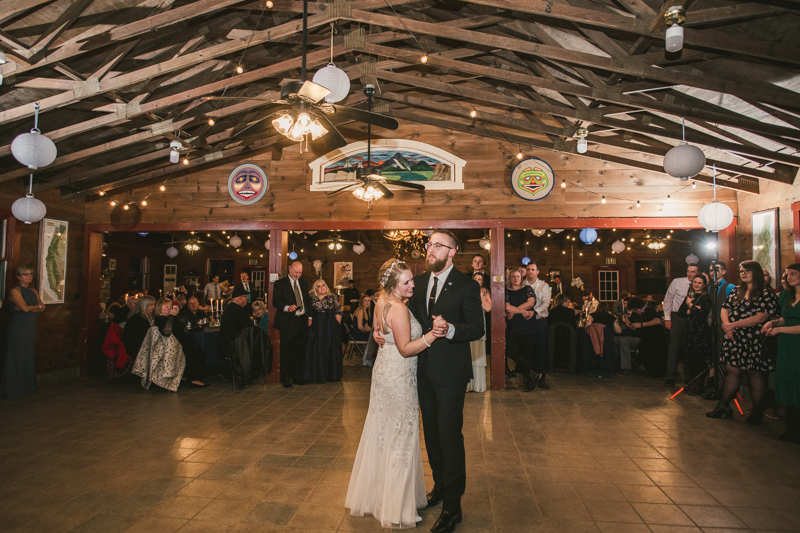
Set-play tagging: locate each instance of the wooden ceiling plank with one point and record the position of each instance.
(113, 59)
(630, 66)
(13, 8)
(734, 13)
(59, 26)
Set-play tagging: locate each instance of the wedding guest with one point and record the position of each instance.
(169, 321)
(787, 375)
(618, 307)
(562, 312)
(212, 290)
(520, 332)
(676, 293)
(261, 315)
(696, 308)
(604, 317)
(478, 264)
(478, 347)
(192, 313)
(235, 318)
(351, 295)
(589, 305)
(121, 313)
(747, 308)
(140, 319)
(324, 349)
(643, 322)
(115, 306)
(362, 320)
(19, 374)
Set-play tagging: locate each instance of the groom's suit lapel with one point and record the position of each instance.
(447, 289)
(421, 297)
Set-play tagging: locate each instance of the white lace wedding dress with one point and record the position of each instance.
(387, 480)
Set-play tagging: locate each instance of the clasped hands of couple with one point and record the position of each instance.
(439, 330)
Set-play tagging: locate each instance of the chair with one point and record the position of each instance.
(352, 344)
(603, 361)
(562, 331)
(249, 354)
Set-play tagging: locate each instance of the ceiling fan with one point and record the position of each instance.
(335, 242)
(372, 186)
(305, 110)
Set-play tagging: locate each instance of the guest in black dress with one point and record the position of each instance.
(520, 329)
(362, 320)
(697, 339)
(169, 322)
(19, 375)
(140, 319)
(746, 309)
(324, 348)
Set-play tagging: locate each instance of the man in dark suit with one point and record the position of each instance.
(235, 318)
(562, 312)
(291, 301)
(444, 369)
(248, 290)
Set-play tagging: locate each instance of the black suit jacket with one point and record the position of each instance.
(283, 295)
(561, 314)
(448, 362)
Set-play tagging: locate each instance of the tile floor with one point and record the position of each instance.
(589, 455)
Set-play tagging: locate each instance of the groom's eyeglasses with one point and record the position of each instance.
(436, 246)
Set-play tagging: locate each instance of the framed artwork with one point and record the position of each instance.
(112, 264)
(342, 273)
(53, 239)
(532, 179)
(247, 184)
(394, 159)
(766, 246)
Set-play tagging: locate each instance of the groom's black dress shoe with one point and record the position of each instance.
(447, 522)
(435, 496)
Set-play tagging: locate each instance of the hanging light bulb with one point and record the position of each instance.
(638, 204)
(715, 216)
(185, 161)
(102, 193)
(563, 184)
(211, 122)
(239, 69)
(674, 17)
(694, 185)
(113, 203)
(473, 113)
(603, 200)
(335, 80)
(519, 155)
(162, 188)
(582, 144)
(126, 207)
(424, 59)
(33, 149)
(144, 203)
(270, 5)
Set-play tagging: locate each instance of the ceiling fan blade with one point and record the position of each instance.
(333, 138)
(332, 193)
(369, 117)
(381, 187)
(313, 92)
(401, 183)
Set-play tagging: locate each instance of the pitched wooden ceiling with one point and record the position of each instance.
(118, 79)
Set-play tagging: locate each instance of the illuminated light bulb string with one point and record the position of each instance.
(604, 198)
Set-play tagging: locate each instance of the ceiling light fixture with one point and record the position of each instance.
(28, 209)
(715, 216)
(684, 161)
(581, 134)
(332, 78)
(674, 17)
(33, 149)
(174, 154)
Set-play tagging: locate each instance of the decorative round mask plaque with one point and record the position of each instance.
(532, 179)
(247, 184)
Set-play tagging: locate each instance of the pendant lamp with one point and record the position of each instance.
(618, 247)
(334, 79)
(588, 235)
(33, 149)
(715, 216)
(29, 209)
(684, 161)
(359, 248)
(236, 241)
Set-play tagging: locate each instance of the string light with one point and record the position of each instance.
(473, 113)
(694, 185)
(603, 200)
(638, 204)
(424, 59)
(162, 188)
(113, 203)
(563, 184)
(144, 203)
(102, 193)
(211, 122)
(520, 156)
(270, 5)
(126, 207)
(239, 69)
(185, 161)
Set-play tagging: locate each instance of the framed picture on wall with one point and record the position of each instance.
(53, 235)
(766, 246)
(112, 264)
(342, 273)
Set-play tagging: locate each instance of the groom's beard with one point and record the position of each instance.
(436, 265)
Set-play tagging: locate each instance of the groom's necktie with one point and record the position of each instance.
(297, 297)
(432, 297)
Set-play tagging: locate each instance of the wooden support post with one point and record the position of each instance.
(498, 290)
(92, 259)
(276, 265)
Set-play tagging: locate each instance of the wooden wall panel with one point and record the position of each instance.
(202, 196)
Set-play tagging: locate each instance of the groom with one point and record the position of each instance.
(444, 370)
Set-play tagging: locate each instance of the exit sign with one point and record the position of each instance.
(611, 260)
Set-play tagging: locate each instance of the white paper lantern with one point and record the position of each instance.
(335, 80)
(236, 241)
(359, 248)
(33, 149)
(557, 230)
(715, 216)
(538, 232)
(692, 259)
(266, 244)
(618, 247)
(172, 252)
(588, 235)
(28, 209)
(684, 161)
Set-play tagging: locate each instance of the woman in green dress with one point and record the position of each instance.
(787, 373)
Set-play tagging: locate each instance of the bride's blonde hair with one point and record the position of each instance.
(389, 274)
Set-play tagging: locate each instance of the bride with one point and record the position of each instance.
(387, 480)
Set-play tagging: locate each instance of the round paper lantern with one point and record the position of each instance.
(557, 230)
(33, 149)
(292, 255)
(715, 216)
(684, 161)
(692, 259)
(359, 248)
(235, 241)
(335, 80)
(538, 232)
(28, 209)
(172, 252)
(588, 235)
(526, 260)
(266, 244)
(618, 247)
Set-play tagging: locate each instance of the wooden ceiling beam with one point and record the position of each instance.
(9, 10)
(734, 13)
(59, 26)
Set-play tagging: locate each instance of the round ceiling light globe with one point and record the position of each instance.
(684, 161)
(588, 235)
(335, 80)
(28, 209)
(692, 259)
(538, 232)
(236, 241)
(359, 248)
(618, 247)
(266, 244)
(715, 216)
(33, 149)
(172, 252)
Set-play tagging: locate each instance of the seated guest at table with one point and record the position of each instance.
(562, 312)
(180, 300)
(227, 291)
(323, 360)
(235, 318)
(644, 322)
(169, 321)
(117, 304)
(362, 320)
(140, 319)
(696, 308)
(351, 295)
(121, 313)
(260, 315)
(589, 305)
(618, 307)
(604, 317)
(192, 313)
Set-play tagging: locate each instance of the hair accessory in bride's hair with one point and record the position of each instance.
(388, 272)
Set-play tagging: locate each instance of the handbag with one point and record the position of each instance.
(769, 348)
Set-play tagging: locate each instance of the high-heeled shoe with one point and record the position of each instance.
(721, 410)
(755, 418)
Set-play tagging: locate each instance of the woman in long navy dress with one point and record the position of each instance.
(324, 349)
(19, 374)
